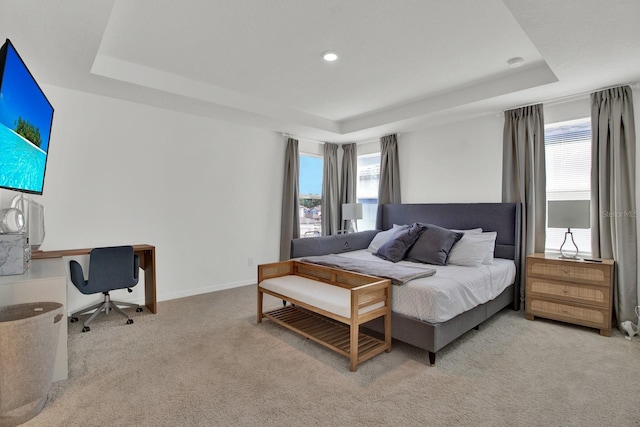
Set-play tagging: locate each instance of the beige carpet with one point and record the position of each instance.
(203, 361)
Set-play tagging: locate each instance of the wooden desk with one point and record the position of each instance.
(147, 254)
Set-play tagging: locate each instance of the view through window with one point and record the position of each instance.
(310, 198)
(568, 164)
(367, 189)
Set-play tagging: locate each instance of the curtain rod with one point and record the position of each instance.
(567, 98)
(360, 141)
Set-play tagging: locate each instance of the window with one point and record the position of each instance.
(310, 198)
(568, 164)
(367, 189)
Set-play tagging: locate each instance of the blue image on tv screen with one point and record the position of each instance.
(25, 126)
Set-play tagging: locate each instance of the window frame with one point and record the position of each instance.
(314, 229)
(581, 135)
(369, 210)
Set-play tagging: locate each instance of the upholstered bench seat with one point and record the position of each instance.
(333, 299)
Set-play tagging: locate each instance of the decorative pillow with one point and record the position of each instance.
(395, 249)
(434, 245)
(491, 254)
(382, 237)
(472, 249)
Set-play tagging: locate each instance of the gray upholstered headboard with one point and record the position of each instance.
(503, 218)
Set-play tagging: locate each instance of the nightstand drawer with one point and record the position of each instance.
(593, 295)
(587, 316)
(586, 273)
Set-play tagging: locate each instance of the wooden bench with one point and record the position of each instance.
(328, 305)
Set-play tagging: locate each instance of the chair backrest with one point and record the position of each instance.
(112, 268)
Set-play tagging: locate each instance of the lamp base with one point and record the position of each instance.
(569, 253)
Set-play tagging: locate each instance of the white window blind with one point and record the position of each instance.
(568, 164)
(367, 189)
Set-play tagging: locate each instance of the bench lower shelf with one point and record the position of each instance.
(327, 332)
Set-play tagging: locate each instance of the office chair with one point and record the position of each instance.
(110, 268)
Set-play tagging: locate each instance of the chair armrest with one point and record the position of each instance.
(77, 275)
(136, 266)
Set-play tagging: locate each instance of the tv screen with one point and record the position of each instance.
(25, 125)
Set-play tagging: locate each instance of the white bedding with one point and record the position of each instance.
(451, 291)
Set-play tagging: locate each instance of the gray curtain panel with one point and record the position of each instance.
(613, 207)
(330, 191)
(349, 177)
(389, 187)
(290, 222)
(524, 176)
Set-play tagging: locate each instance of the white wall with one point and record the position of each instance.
(570, 110)
(460, 162)
(206, 193)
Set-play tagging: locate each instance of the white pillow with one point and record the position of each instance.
(471, 230)
(382, 237)
(491, 254)
(473, 249)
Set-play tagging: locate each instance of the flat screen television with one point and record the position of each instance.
(26, 116)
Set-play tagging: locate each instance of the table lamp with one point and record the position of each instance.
(569, 214)
(352, 212)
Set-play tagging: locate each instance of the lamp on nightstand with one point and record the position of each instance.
(352, 212)
(569, 214)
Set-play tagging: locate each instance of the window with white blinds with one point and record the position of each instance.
(568, 164)
(367, 189)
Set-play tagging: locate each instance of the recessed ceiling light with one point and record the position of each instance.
(329, 56)
(515, 62)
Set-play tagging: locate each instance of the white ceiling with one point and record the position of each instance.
(404, 64)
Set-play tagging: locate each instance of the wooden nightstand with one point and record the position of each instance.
(573, 291)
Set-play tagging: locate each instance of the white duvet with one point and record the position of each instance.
(451, 291)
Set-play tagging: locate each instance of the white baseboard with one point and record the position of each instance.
(182, 294)
(205, 290)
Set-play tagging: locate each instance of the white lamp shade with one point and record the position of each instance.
(352, 211)
(569, 213)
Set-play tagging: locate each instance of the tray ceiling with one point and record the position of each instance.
(402, 65)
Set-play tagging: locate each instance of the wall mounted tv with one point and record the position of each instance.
(25, 125)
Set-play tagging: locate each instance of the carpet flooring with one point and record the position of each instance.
(203, 361)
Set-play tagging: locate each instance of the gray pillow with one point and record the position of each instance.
(433, 245)
(383, 237)
(395, 248)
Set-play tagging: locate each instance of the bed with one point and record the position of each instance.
(437, 328)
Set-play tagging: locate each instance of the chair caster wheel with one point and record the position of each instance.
(129, 321)
(73, 319)
(138, 310)
(86, 329)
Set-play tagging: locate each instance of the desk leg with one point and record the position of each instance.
(148, 264)
(260, 300)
